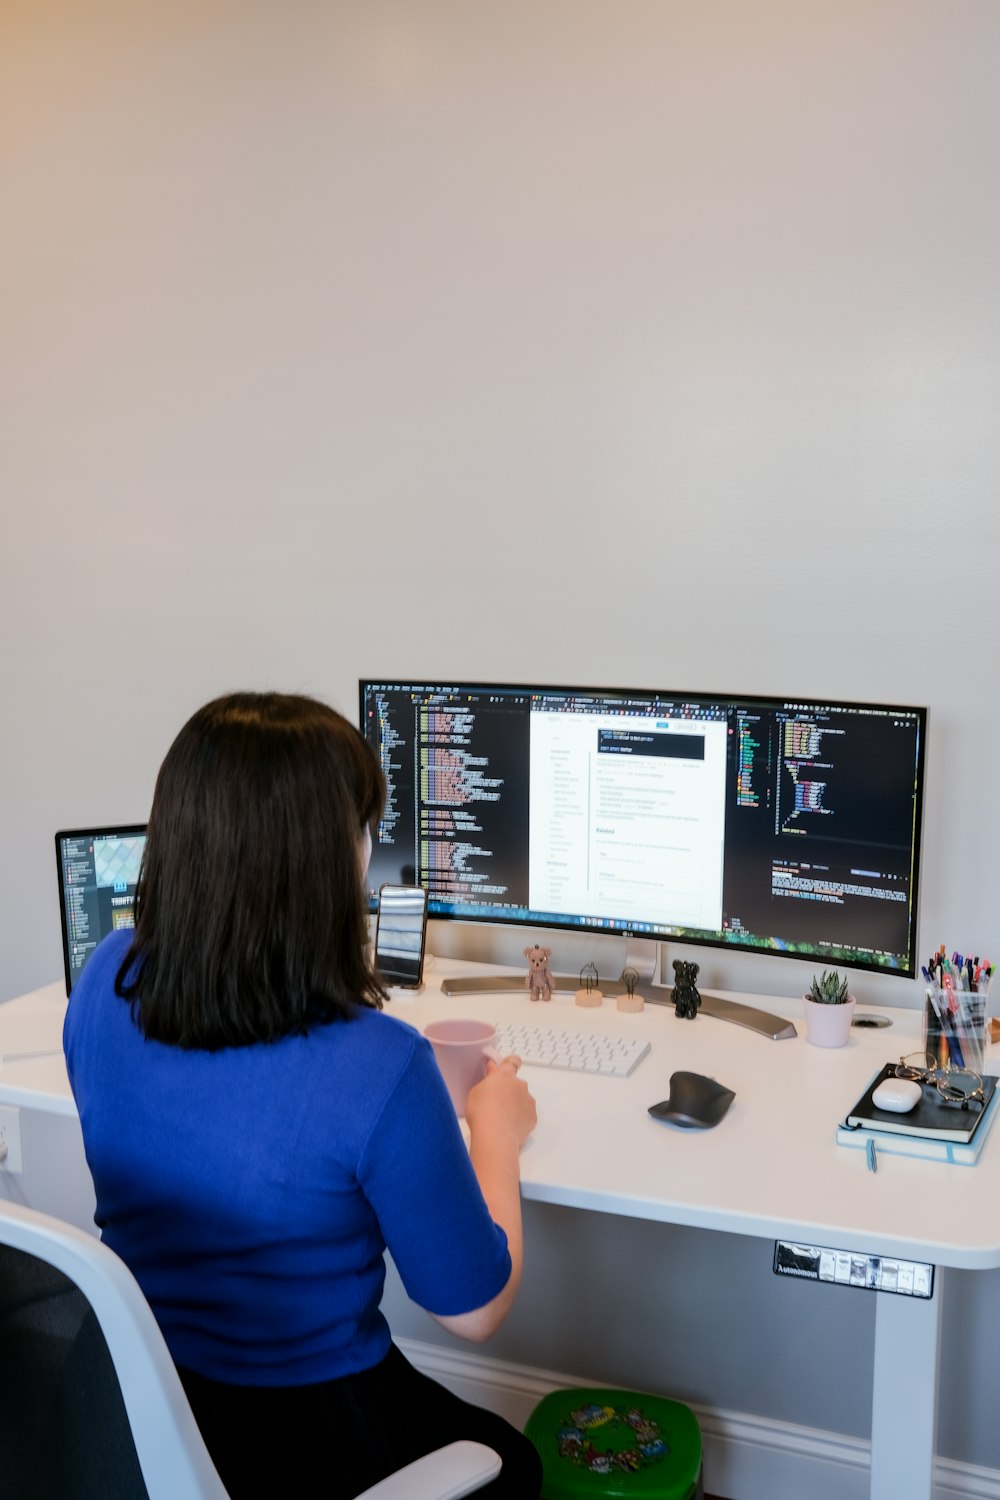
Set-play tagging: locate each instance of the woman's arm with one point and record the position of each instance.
(500, 1113)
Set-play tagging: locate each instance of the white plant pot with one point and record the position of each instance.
(828, 1025)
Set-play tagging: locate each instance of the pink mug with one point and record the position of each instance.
(462, 1050)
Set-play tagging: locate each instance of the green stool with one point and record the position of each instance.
(608, 1443)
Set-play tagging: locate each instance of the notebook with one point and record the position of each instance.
(98, 870)
(934, 1129)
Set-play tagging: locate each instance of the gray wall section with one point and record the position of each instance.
(650, 344)
(663, 1307)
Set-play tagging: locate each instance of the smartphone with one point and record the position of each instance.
(400, 935)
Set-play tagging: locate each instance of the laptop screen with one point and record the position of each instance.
(98, 871)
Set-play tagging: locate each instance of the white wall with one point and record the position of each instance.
(651, 343)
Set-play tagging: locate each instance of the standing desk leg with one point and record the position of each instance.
(904, 1394)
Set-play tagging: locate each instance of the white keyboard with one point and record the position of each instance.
(545, 1047)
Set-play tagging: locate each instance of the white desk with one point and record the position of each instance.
(772, 1168)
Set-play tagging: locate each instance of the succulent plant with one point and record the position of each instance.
(829, 989)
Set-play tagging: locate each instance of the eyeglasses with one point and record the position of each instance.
(955, 1085)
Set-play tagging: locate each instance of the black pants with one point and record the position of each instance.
(334, 1440)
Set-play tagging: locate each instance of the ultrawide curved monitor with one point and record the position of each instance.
(791, 827)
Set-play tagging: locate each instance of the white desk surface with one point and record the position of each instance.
(771, 1168)
(29, 1025)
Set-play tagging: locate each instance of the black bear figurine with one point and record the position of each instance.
(685, 993)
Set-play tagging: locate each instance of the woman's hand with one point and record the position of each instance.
(502, 1103)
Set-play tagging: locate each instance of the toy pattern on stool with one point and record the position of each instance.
(581, 1433)
(685, 994)
(538, 981)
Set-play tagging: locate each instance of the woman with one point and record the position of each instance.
(259, 1131)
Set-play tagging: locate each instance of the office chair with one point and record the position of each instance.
(91, 1406)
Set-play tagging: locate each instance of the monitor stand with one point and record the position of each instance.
(642, 956)
(776, 1028)
(512, 984)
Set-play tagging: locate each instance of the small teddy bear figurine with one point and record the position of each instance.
(685, 993)
(538, 980)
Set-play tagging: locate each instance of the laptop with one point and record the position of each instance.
(98, 870)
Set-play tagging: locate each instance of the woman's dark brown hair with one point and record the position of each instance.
(250, 906)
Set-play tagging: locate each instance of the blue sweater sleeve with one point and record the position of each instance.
(416, 1173)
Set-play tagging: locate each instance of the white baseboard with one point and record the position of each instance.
(746, 1457)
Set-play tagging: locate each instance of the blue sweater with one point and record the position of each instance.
(253, 1191)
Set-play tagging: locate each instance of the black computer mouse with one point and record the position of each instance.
(694, 1102)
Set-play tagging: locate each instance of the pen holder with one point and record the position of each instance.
(956, 1027)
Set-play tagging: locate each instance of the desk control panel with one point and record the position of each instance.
(872, 1273)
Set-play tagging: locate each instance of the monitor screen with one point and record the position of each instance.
(790, 827)
(98, 869)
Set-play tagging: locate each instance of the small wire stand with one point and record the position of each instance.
(630, 1002)
(589, 995)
